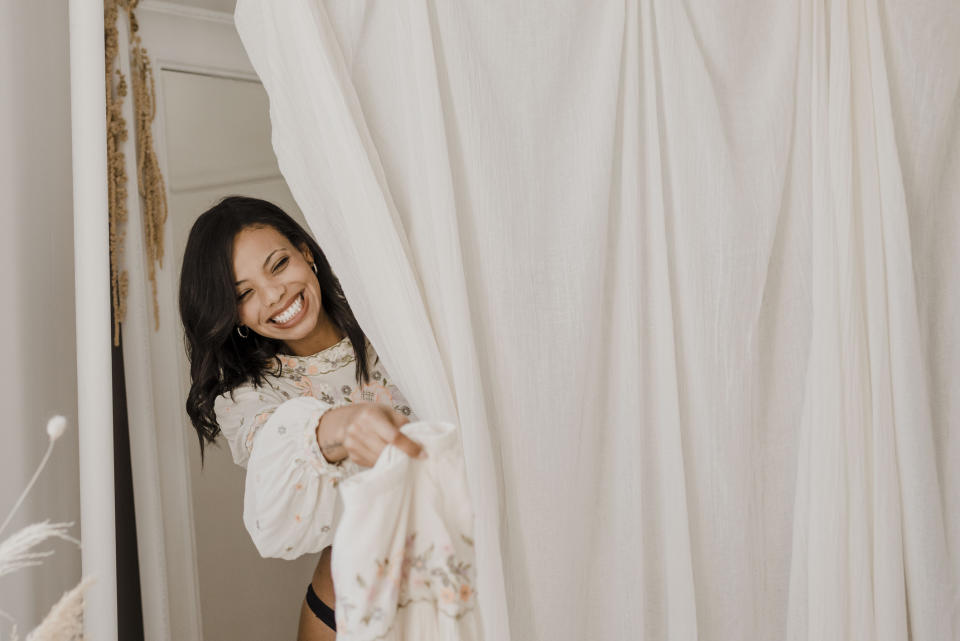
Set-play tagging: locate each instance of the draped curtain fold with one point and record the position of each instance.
(681, 273)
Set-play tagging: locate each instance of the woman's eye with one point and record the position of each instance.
(242, 295)
(280, 264)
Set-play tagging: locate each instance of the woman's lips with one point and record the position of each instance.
(296, 317)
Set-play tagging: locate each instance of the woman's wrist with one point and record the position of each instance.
(330, 433)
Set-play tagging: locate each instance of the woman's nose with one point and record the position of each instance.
(274, 294)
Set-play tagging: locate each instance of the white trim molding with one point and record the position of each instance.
(137, 365)
(185, 11)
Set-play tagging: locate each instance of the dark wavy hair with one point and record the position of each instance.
(220, 360)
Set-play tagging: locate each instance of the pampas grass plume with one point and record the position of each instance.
(64, 622)
(16, 552)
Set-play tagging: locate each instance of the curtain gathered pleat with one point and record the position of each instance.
(684, 276)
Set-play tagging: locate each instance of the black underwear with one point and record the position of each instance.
(321, 609)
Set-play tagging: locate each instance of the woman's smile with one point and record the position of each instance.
(292, 313)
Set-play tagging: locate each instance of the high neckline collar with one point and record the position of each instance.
(328, 359)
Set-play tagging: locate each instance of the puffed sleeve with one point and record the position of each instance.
(290, 502)
(241, 414)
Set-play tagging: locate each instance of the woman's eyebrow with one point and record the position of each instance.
(265, 263)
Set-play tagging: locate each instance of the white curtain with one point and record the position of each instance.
(685, 275)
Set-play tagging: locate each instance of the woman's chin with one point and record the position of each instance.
(290, 333)
(299, 331)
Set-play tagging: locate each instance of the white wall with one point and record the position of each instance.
(37, 308)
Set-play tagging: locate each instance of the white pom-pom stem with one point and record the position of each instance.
(56, 426)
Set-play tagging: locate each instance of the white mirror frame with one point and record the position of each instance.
(92, 284)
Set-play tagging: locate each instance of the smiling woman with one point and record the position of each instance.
(270, 338)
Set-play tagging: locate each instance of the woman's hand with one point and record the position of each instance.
(360, 431)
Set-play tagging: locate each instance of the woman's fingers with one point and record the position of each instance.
(364, 448)
(375, 427)
(408, 446)
(390, 433)
(399, 420)
(405, 444)
(375, 442)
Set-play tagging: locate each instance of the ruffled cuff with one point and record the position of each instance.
(313, 453)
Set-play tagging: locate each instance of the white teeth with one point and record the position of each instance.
(290, 312)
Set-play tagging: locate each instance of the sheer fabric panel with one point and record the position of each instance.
(683, 273)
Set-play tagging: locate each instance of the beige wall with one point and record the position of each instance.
(36, 273)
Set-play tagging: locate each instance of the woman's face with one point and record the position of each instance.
(278, 295)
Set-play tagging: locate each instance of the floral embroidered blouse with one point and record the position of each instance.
(291, 501)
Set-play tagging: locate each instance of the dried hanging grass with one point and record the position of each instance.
(150, 184)
(116, 87)
(153, 192)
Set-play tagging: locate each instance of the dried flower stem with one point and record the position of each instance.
(23, 495)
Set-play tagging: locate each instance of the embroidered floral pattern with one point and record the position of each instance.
(372, 393)
(330, 377)
(378, 391)
(323, 362)
(313, 376)
(259, 420)
(410, 576)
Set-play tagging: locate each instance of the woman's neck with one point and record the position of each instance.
(325, 335)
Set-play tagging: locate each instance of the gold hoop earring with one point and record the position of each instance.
(241, 334)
